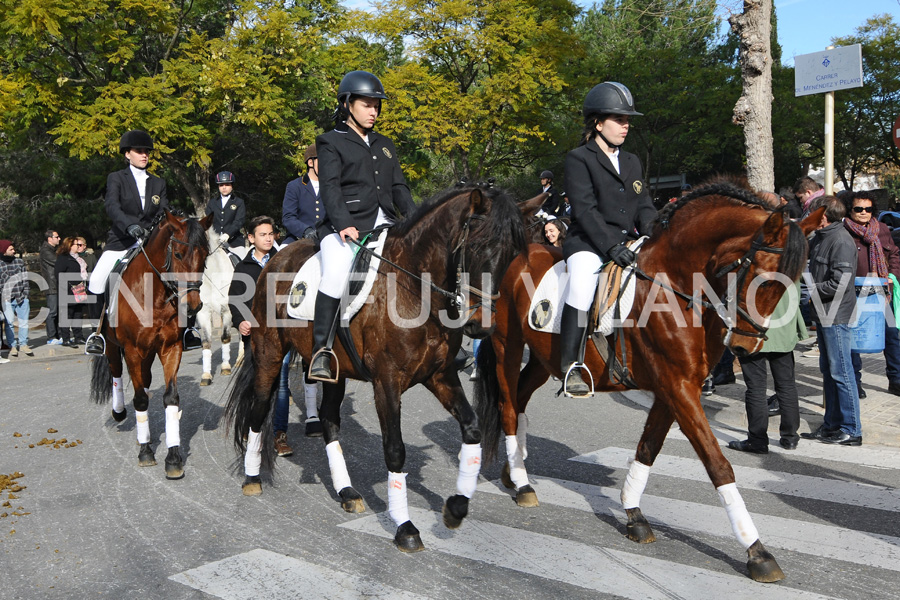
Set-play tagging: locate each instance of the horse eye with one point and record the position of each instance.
(178, 255)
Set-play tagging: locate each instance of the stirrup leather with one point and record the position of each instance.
(565, 386)
(337, 365)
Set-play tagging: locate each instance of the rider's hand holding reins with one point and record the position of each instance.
(136, 231)
(621, 255)
(349, 232)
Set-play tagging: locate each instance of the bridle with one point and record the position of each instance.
(175, 292)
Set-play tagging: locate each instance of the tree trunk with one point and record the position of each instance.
(196, 181)
(753, 110)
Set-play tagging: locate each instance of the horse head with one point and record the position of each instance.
(183, 246)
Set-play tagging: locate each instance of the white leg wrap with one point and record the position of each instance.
(635, 482)
(253, 454)
(226, 354)
(173, 431)
(522, 434)
(118, 395)
(143, 426)
(310, 395)
(516, 462)
(741, 523)
(207, 360)
(397, 504)
(469, 468)
(339, 476)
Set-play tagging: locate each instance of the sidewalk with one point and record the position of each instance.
(880, 411)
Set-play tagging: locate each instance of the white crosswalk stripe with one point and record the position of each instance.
(749, 478)
(628, 575)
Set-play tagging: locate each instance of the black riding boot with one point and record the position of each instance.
(191, 338)
(326, 313)
(571, 345)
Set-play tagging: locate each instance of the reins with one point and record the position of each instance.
(173, 288)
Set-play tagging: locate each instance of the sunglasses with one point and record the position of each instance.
(862, 209)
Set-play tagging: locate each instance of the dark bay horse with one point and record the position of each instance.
(720, 232)
(157, 284)
(408, 334)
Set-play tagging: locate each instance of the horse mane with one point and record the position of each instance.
(796, 248)
(403, 227)
(719, 188)
(196, 235)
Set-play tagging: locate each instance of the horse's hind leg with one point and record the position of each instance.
(332, 397)
(761, 564)
(114, 355)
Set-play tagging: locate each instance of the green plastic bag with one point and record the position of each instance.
(895, 294)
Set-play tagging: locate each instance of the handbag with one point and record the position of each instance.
(80, 292)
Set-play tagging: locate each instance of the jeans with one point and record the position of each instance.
(52, 316)
(17, 309)
(838, 380)
(891, 356)
(754, 370)
(283, 396)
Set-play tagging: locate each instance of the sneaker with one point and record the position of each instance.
(55, 342)
(709, 387)
(3, 360)
(281, 445)
(813, 352)
(24, 348)
(313, 427)
(14, 351)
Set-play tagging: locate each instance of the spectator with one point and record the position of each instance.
(806, 191)
(832, 266)
(555, 232)
(790, 202)
(876, 256)
(72, 275)
(14, 291)
(48, 267)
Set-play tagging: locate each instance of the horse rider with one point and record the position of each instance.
(229, 210)
(134, 198)
(302, 208)
(554, 207)
(362, 187)
(610, 204)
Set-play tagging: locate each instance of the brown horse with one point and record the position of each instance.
(408, 334)
(159, 283)
(721, 232)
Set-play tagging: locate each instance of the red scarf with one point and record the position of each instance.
(868, 235)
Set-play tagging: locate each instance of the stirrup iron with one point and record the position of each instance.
(565, 382)
(337, 365)
(95, 335)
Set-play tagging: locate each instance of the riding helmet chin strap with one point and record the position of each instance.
(608, 143)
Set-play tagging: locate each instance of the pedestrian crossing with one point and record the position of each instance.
(595, 567)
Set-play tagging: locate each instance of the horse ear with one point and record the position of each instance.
(812, 222)
(529, 208)
(478, 202)
(774, 223)
(206, 221)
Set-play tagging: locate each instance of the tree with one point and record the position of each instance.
(753, 110)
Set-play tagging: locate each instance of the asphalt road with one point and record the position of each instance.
(89, 523)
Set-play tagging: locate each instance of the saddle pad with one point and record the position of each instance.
(302, 297)
(545, 311)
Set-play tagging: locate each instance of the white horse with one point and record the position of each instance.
(214, 294)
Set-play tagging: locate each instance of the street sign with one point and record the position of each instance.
(828, 71)
(896, 133)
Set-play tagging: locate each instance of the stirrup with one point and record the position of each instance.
(565, 381)
(92, 338)
(328, 352)
(193, 335)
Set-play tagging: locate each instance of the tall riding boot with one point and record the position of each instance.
(325, 318)
(191, 338)
(571, 348)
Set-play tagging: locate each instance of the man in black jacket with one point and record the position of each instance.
(48, 266)
(229, 210)
(362, 187)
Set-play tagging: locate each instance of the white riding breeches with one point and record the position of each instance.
(337, 260)
(104, 267)
(584, 274)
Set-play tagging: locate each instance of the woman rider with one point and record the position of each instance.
(362, 187)
(610, 204)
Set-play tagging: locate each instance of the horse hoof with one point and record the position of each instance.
(174, 464)
(455, 510)
(638, 528)
(351, 501)
(762, 565)
(407, 538)
(526, 497)
(226, 371)
(505, 479)
(145, 456)
(206, 379)
(252, 485)
(118, 417)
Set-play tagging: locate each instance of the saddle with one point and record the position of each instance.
(115, 279)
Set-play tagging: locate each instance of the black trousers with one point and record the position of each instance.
(754, 369)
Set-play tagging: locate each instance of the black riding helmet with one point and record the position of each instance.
(357, 83)
(546, 175)
(609, 98)
(135, 139)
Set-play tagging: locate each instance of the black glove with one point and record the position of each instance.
(136, 231)
(621, 255)
(310, 234)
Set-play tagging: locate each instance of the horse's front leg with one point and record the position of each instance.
(332, 397)
(140, 380)
(267, 357)
(226, 340)
(204, 324)
(689, 414)
(171, 359)
(446, 387)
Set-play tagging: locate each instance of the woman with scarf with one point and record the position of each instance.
(877, 255)
(71, 277)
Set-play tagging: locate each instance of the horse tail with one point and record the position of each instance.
(239, 412)
(487, 400)
(101, 380)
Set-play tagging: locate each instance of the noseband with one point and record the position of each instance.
(173, 288)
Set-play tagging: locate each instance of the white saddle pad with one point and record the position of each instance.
(545, 311)
(302, 297)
